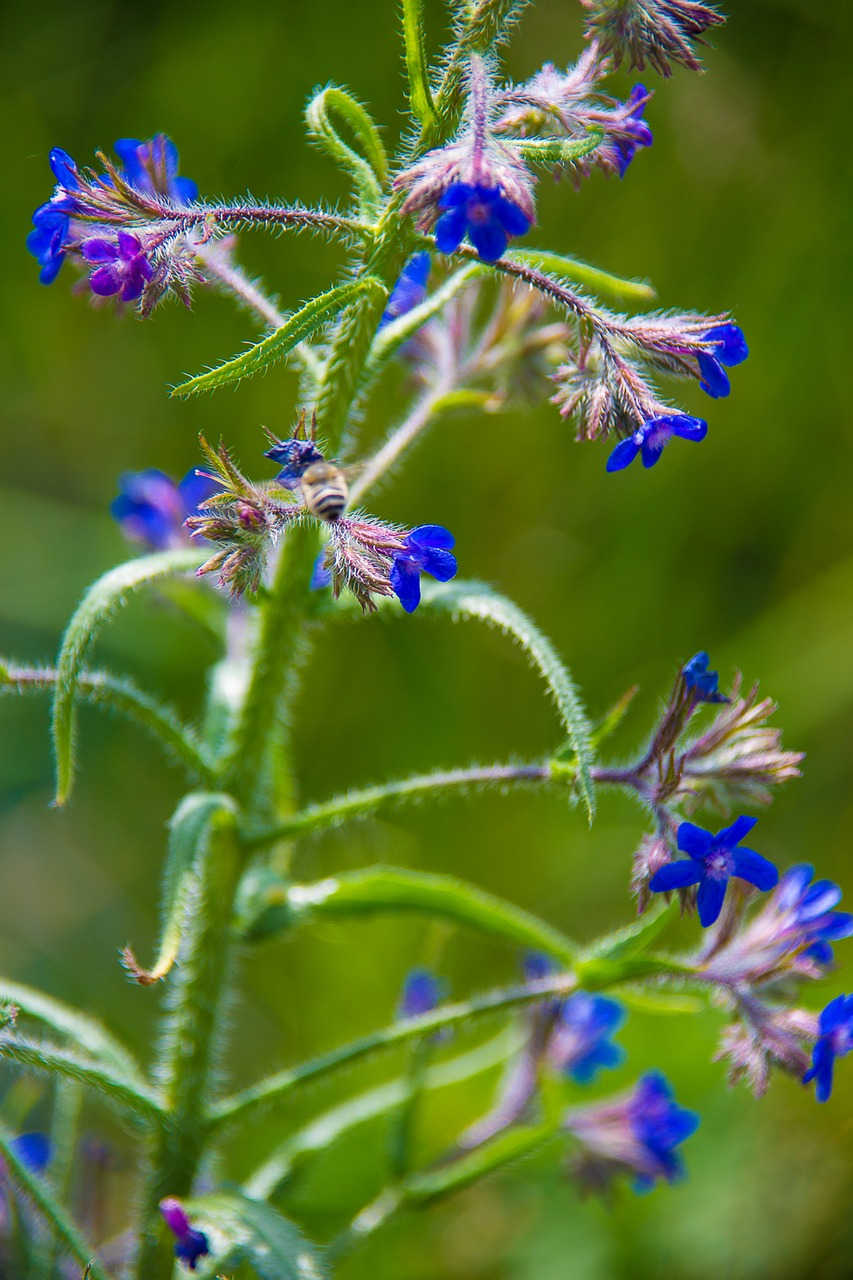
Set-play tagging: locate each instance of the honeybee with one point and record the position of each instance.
(322, 484)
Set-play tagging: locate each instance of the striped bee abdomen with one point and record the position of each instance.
(324, 490)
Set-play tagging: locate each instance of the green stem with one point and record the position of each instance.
(68, 1101)
(36, 1190)
(191, 1039)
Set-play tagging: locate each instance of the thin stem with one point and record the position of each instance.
(363, 803)
(36, 1190)
(236, 216)
(400, 439)
(68, 1101)
(238, 1107)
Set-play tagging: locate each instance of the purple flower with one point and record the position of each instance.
(580, 1043)
(52, 220)
(835, 1040)
(152, 168)
(410, 289)
(191, 1244)
(426, 550)
(713, 860)
(482, 213)
(651, 437)
(729, 349)
(151, 508)
(124, 267)
(633, 131)
(422, 991)
(700, 681)
(636, 1133)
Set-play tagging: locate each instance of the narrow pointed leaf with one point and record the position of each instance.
(574, 271)
(81, 1029)
(476, 600)
(501, 1151)
(102, 599)
(129, 1094)
(258, 358)
(420, 97)
(243, 1230)
(634, 938)
(553, 151)
(368, 166)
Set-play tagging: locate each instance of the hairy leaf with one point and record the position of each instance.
(601, 283)
(420, 97)
(102, 599)
(128, 1093)
(259, 357)
(367, 167)
(244, 1230)
(551, 151)
(84, 1031)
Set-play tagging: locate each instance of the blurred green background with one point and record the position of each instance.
(743, 546)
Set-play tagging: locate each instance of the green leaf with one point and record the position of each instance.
(601, 283)
(244, 1230)
(476, 600)
(190, 834)
(128, 1094)
(501, 1151)
(634, 938)
(381, 889)
(624, 954)
(551, 151)
(367, 167)
(420, 97)
(259, 357)
(102, 599)
(672, 1003)
(118, 693)
(81, 1029)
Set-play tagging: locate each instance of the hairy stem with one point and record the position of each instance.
(400, 440)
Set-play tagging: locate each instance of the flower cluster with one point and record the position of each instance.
(658, 32)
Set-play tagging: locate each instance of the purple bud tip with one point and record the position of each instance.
(174, 1216)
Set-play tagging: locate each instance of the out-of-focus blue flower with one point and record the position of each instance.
(410, 289)
(33, 1150)
(52, 220)
(805, 911)
(152, 168)
(536, 965)
(835, 1040)
(730, 349)
(482, 213)
(650, 438)
(700, 681)
(427, 550)
(636, 1133)
(713, 860)
(151, 508)
(422, 991)
(634, 132)
(191, 1244)
(123, 269)
(321, 577)
(580, 1043)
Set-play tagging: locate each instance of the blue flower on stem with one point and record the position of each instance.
(805, 912)
(33, 1150)
(191, 1244)
(422, 991)
(410, 289)
(729, 349)
(650, 438)
(151, 508)
(152, 168)
(580, 1045)
(52, 220)
(835, 1040)
(658, 1125)
(427, 550)
(701, 682)
(635, 130)
(713, 860)
(483, 214)
(123, 268)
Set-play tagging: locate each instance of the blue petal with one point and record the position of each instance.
(195, 489)
(488, 238)
(623, 455)
(821, 1070)
(730, 836)
(709, 900)
(731, 348)
(458, 193)
(750, 866)
(440, 565)
(695, 841)
(652, 449)
(321, 577)
(64, 168)
(687, 428)
(33, 1150)
(676, 875)
(839, 925)
(714, 380)
(184, 190)
(821, 897)
(427, 536)
(50, 270)
(836, 1013)
(604, 1056)
(792, 885)
(450, 229)
(406, 585)
(515, 221)
(417, 268)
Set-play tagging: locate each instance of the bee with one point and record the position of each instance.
(322, 484)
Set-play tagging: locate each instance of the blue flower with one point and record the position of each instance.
(297, 455)
(321, 577)
(427, 550)
(152, 168)
(580, 1045)
(422, 991)
(651, 437)
(730, 349)
(151, 508)
(52, 220)
(483, 214)
(700, 681)
(191, 1244)
(713, 860)
(33, 1150)
(536, 965)
(658, 1125)
(634, 131)
(123, 268)
(410, 289)
(805, 914)
(835, 1040)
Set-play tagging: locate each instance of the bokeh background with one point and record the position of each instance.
(743, 546)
